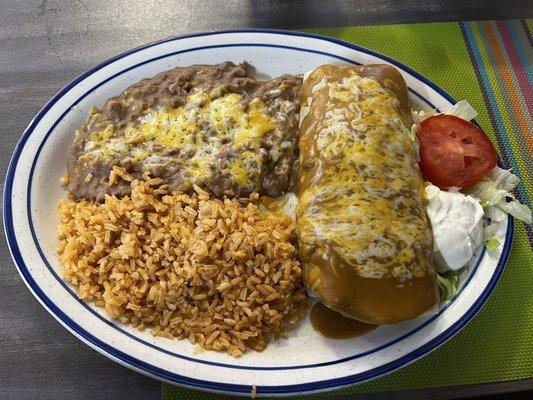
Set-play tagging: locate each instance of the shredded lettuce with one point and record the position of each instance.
(495, 215)
(463, 109)
(420, 115)
(490, 229)
(447, 282)
(518, 210)
(494, 191)
(492, 243)
(493, 219)
(504, 178)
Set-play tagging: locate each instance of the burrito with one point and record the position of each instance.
(365, 239)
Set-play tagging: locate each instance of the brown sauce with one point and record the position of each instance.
(333, 325)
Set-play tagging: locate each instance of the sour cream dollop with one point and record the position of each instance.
(456, 221)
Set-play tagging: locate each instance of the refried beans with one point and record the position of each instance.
(214, 126)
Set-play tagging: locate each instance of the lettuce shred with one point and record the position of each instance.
(464, 110)
(420, 115)
(492, 243)
(495, 191)
(461, 109)
(448, 282)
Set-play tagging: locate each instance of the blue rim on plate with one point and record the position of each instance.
(151, 370)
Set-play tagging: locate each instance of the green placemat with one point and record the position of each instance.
(491, 65)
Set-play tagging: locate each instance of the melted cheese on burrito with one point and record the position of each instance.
(363, 228)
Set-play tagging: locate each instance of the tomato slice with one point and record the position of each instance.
(454, 152)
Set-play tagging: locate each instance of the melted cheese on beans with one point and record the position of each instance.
(202, 129)
(366, 196)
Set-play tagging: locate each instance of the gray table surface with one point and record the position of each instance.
(45, 44)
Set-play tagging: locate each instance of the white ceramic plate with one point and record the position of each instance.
(303, 363)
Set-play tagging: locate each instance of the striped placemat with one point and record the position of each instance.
(491, 65)
(501, 53)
